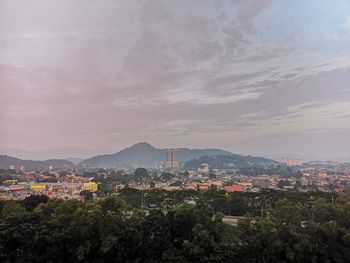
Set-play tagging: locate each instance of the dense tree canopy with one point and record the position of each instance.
(141, 172)
(293, 228)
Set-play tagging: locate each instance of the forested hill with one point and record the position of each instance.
(232, 161)
(7, 161)
(146, 155)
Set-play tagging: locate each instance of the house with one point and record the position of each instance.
(234, 188)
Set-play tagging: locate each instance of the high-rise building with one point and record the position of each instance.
(291, 162)
(294, 162)
(172, 159)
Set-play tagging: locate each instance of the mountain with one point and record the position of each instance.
(140, 154)
(54, 153)
(74, 160)
(7, 161)
(145, 155)
(189, 154)
(233, 161)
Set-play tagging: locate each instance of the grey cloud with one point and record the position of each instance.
(109, 73)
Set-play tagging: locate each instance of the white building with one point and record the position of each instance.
(204, 168)
(172, 159)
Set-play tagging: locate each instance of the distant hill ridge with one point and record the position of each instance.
(233, 161)
(145, 155)
(7, 161)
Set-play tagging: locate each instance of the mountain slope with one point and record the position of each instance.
(145, 155)
(7, 161)
(233, 161)
(54, 153)
(189, 154)
(140, 154)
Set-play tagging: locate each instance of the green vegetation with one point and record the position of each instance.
(292, 227)
(141, 173)
(273, 169)
(232, 161)
(245, 165)
(282, 183)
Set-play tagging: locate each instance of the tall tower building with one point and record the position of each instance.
(172, 159)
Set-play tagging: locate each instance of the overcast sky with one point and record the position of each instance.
(258, 76)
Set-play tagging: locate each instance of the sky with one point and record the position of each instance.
(249, 76)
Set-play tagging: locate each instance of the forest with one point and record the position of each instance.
(276, 227)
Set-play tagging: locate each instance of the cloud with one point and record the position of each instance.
(346, 23)
(109, 73)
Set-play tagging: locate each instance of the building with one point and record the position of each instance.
(292, 162)
(91, 186)
(204, 168)
(38, 187)
(261, 182)
(172, 160)
(203, 186)
(322, 174)
(233, 188)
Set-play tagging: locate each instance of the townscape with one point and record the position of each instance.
(170, 214)
(70, 182)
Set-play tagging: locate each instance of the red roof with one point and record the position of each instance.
(17, 188)
(234, 188)
(190, 187)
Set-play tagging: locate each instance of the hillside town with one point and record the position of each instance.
(81, 182)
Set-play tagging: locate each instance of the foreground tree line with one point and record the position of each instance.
(111, 230)
(231, 204)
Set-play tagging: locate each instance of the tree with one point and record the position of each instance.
(166, 176)
(300, 227)
(105, 189)
(31, 202)
(186, 174)
(12, 208)
(141, 172)
(86, 194)
(112, 204)
(156, 235)
(212, 176)
(298, 185)
(282, 183)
